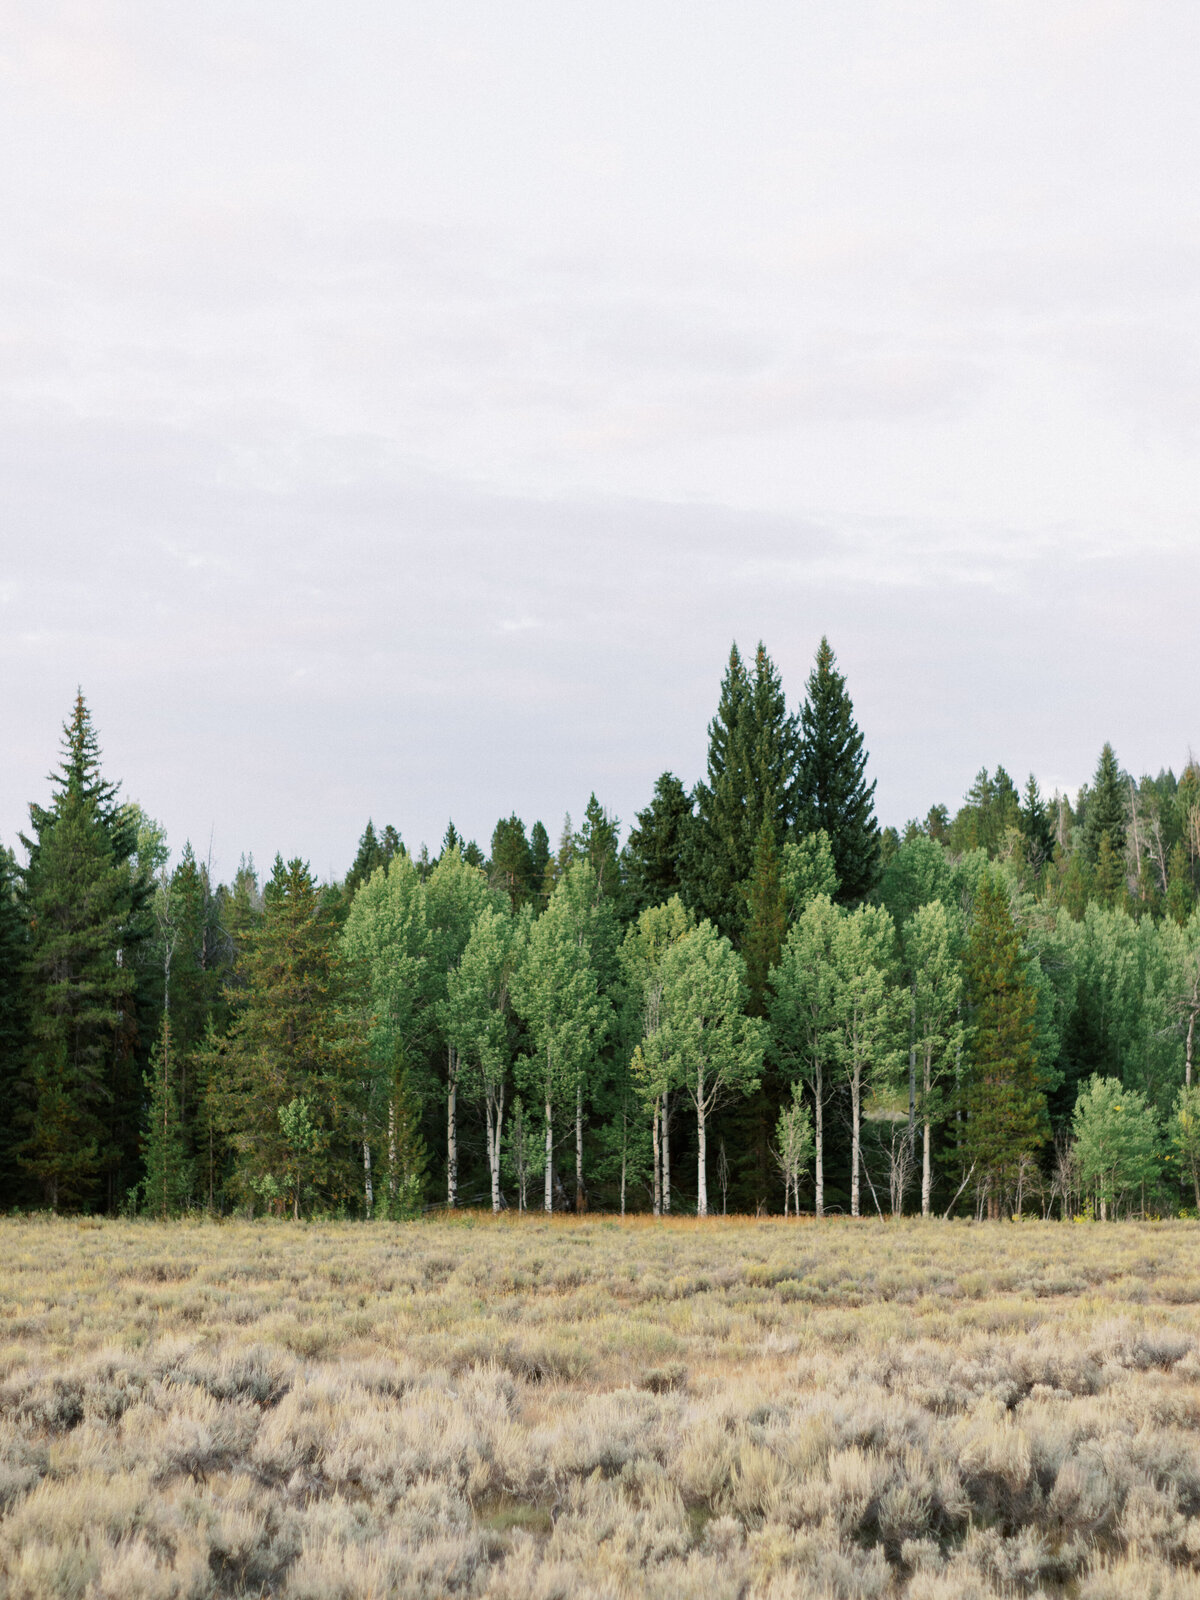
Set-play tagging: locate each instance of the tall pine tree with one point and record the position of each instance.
(833, 791)
(752, 756)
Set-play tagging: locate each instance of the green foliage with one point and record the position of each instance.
(1105, 812)
(807, 871)
(793, 1145)
(375, 852)
(766, 919)
(168, 1182)
(1005, 1103)
(832, 791)
(1117, 1140)
(659, 847)
(292, 1037)
(512, 868)
(751, 779)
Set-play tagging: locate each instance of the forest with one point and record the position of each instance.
(761, 1001)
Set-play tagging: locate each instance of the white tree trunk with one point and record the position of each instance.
(926, 1166)
(549, 1158)
(657, 1162)
(368, 1185)
(855, 1135)
(701, 1149)
(819, 1125)
(666, 1153)
(495, 1121)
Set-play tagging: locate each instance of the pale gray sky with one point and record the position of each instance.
(402, 407)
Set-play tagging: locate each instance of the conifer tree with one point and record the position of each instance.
(1005, 1104)
(1105, 812)
(13, 1020)
(766, 919)
(597, 843)
(293, 1039)
(751, 779)
(1037, 826)
(374, 851)
(83, 900)
(168, 1180)
(539, 862)
(512, 868)
(833, 793)
(659, 846)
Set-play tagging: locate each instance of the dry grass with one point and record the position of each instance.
(549, 1408)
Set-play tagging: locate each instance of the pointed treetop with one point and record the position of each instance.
(834, 793)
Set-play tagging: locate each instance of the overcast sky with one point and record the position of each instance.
(402, 407)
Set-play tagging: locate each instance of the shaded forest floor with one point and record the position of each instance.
(556, 1407)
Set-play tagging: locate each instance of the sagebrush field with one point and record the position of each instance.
(538, 1408)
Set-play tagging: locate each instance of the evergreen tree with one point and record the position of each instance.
(751, 779)
(1037, 826)
(659, 846)
(168, 1181)
(83, 900)
(832, 790)
(512, 868)
(766, 920)
(374, 851)
(292, 1048)
(1006, 1107)
(13, 1021)
(1104, 815)
(597, 842)
(539, 862)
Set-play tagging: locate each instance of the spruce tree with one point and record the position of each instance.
(512, 868)
(597, 842)
(658, 846)
(766, 919)
(1105, 813)
(86, 905)
(1037, 826)
(539, 861)
(13, 1021)
(833, 791)
(292, 1038)
(1005, 1104)
(168, 1180)
(752, 757)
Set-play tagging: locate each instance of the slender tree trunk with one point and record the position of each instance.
(701, 1149)
(1191, 1035)
(855, 1135)
(819, 1123)
(549, 1204)
(452, 1130)
(368, 1186)
(392, 1143)
(912, 1065)
(657, 1161)
(579, 1145)
(494, 1107)
(666, 1153)
(926, 1166)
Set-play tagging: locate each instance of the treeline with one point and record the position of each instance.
(762, 1001)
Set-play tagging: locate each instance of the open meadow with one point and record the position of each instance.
(535, 1408)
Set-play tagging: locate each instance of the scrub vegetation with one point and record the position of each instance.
(563, 1406)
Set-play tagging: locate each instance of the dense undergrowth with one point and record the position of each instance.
(554, 1407)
